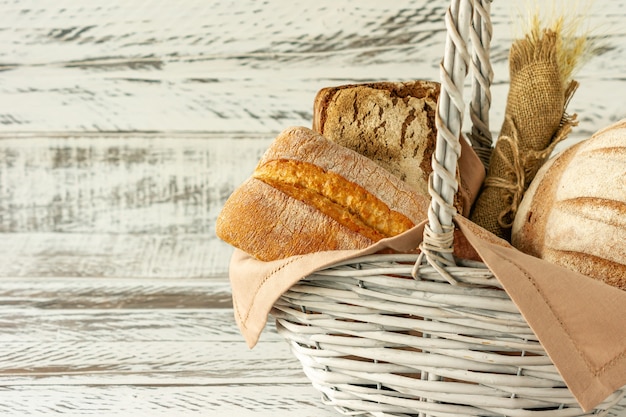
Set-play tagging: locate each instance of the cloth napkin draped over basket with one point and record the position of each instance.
(405, 334)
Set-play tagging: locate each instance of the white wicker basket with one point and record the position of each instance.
(396, 335)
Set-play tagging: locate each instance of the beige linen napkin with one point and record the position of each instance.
(580, 322)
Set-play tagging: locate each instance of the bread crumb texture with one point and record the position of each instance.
(390, 123)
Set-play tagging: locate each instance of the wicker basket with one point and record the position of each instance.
(428, 335)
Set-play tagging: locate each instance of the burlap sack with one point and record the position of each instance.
(535, 120)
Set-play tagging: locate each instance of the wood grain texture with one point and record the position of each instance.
(151, 363)
(125, 126)
(191, 67)
(131, 294)
(135, 183)
(110, 255)
(116, 339)
(145, 401)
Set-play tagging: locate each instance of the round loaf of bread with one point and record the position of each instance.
(574, 212)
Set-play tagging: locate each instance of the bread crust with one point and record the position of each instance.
(574, 213)
(529, 226)
(268, 224)
(304, 145)
(341, 199)
(393, 124)
(271, 224)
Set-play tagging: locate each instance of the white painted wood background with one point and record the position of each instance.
(124, 126)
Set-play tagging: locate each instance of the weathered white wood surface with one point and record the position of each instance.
(124, 126)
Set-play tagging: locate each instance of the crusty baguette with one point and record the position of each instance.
(269, 224)
(393, 124)
(308, 194)
(574, 212)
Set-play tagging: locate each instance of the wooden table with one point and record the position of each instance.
(124, 126)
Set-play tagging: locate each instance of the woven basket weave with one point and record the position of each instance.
(429, 335)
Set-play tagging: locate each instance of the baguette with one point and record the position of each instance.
(308, 194)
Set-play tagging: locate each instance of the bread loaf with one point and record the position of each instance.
(574, 212)
(393, 124)
(308, 194)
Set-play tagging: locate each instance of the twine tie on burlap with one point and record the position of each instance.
(535, 121)
(522, 168)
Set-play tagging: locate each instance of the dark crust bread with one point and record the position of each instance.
(403, 90)
(427, 90)
(393, 124)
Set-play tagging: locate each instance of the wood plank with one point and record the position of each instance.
(135, 183)
(164, 362)
(83, 68)
(97, 255)
(68, 32)
(74, 99)
(241, 401)
(253, 101)
(136, 204)
(152, 198)
(126, 310)
(78, 293)
(85, 324)
(86, 34)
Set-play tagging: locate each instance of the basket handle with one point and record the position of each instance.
(480, 36)
(465, 20)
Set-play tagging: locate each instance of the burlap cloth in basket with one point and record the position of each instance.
(580, 322)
